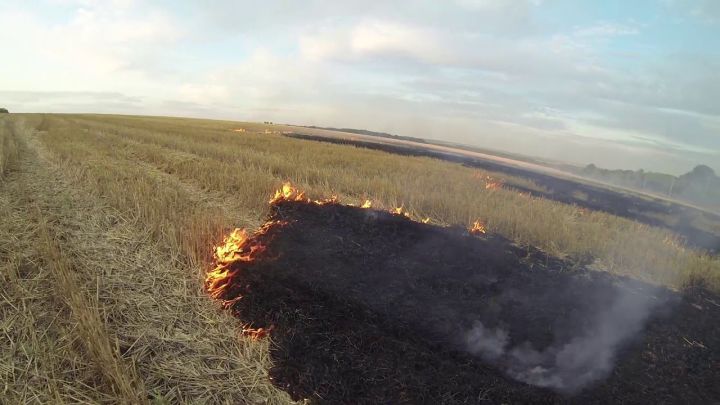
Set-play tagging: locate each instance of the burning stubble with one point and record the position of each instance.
(571, 364)
(546, 327)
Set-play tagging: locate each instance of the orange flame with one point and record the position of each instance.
(426, 220)
(400, 211)
(288, 192)
(256, 333)
(492, 184)
(236, 248)
(478, 228)
(332, 200)
(366, 204)
(231, 250)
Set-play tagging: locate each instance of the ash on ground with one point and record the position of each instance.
(369, 307)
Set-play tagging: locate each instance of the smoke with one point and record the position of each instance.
(568, 365)
(487, 343)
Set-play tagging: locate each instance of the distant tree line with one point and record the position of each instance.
(700, 185)
(4, 111)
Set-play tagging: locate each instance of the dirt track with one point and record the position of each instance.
(368, 307)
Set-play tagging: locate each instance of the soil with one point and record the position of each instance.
(367, 307)
(679, 218)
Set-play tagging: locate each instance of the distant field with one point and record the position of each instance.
(698, 227)
(556, 169)
(107, 224)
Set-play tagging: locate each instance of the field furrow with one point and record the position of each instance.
(132, 305)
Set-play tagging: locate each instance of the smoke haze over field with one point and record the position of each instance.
(623, 85)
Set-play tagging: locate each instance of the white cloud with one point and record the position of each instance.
(378, 37)
(474, 71)
(96, 47)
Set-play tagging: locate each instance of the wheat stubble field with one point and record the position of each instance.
(107, 225)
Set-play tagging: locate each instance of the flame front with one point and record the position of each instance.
(478, 228)
(400, 211)
(256, 333)
(492, 184)
(231, 250)
(231, 246)
(239, 249)
(236, 249)
(288, 192)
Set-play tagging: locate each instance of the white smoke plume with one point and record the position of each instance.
(570, 365)
(487, 343)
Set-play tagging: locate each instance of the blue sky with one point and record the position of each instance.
(621, 84)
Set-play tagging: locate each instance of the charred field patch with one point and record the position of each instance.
(369, 307)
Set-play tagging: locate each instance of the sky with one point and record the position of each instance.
(621, 84)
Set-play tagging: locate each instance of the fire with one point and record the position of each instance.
(232, 245)
(490, 182)
(256, 333)
(236, 249)
(478, 228)
(332, 200)
(232, 249)
(674, 241)
(239, 249)
(288, 192)
(400, 211)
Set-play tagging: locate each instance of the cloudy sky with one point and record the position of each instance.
(623, 84)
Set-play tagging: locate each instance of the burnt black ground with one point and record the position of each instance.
(369, 307)
(651, 211)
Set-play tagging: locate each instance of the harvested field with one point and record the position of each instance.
(106, 231)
